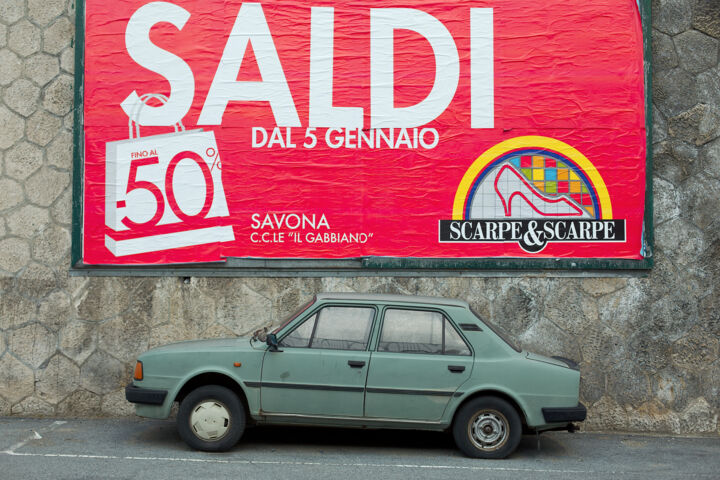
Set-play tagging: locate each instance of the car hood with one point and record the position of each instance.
(204, 345)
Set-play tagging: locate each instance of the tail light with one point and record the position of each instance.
(138, 375)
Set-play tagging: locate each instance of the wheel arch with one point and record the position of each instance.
(492, 392)
(213, 378)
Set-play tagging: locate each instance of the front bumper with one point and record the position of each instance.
(565, 414)
(148, 396)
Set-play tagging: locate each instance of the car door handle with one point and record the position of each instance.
(456, 368)
(356, 363)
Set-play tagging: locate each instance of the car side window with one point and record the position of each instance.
(343, 328)
(454, 343)
(300, 337)
(419, 331)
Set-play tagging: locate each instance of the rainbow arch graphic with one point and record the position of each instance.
(532, 176)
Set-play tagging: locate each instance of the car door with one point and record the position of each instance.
(419, 363)
(322, 366)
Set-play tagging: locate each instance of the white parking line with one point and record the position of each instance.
(331, 464)
(34, 436)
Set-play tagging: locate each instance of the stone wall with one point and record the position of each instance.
(648, 346)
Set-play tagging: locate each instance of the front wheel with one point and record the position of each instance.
(211, 418)
(487, 427)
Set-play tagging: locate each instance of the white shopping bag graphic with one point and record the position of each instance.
(163, 191)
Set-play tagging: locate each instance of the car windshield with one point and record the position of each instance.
(294, 315)
(498, 331)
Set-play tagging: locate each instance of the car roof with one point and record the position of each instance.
(388, 298)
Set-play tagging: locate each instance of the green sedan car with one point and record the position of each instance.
(356, 360)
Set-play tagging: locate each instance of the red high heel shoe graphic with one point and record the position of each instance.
(509, 183)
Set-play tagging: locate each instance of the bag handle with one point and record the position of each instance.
(133, 120)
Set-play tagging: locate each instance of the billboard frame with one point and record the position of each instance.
(363, 266)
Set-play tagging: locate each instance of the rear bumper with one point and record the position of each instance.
(565, 414)
(147, 396)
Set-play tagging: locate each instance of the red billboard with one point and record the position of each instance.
(330, 130)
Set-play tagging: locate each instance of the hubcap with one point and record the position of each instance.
(488, 430)
(210, 420)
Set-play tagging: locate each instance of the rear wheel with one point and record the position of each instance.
(487, 427)
(211, 418)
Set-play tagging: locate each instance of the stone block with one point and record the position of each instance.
(114, 404)
(80, 404)
(569, 309)
(708, 87)
(77, 340)
(14, 254)
(101, 373)
(693, 351)
(124, 337)
(598, 287)
(22, 160)
(672, 316)
(671, 16)
(38, 280)
(16, 310)
(666, 201)
(33, 344)
(41, 68)
(61, 210)
(56, 311)
(674, 91)
(697, 52)
(12, 10)
(67, 60)
(649, 350)
(11, 127)
(649, 417)
(592, 385)
(710, 384)
(41, 127)
(18, 379)
(606, 415)
(22, 96)
(697, 126)
(705, 16)
(24, 38)
(27, 221)
(45, 186)
(700, 198)
(659, 130)
(43, 12)
(4, 407)
(242, 310)
(679, 240)
(51, 246)
(12, 194)
(58, 36)
(3, 35)
(12, 67)
(514, 310)
(33, 407)
(664, 55)
(60, 151)
(710, 156)
(546, 338)
(58, 379)
(58, 97)
(627, 383)
(697, 417)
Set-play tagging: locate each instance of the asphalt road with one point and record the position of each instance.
(136, 448)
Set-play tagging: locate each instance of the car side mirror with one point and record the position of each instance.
(272, 342)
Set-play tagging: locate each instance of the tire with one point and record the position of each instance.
(211, 418)
(487, 427)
